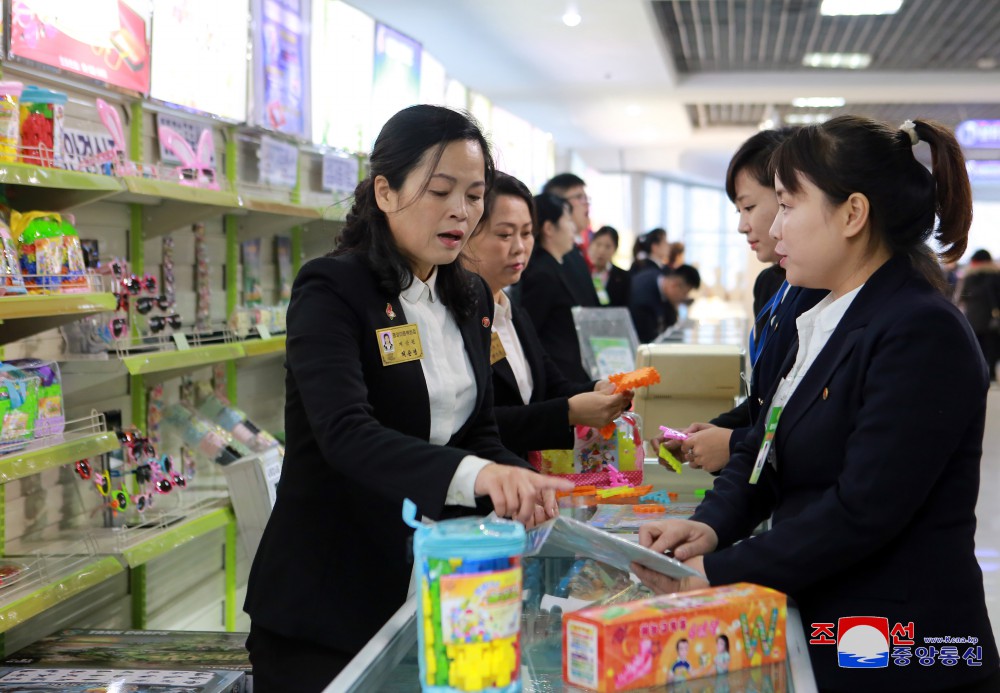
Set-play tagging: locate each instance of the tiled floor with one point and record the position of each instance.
(988, 510)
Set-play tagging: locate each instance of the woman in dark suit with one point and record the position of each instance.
(871, 516)
(371, 422)
(611, 281)
(534, 404)
(545, 292)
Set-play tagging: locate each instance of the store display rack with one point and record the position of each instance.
(82, 438)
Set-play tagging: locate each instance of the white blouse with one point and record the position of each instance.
(503, 325)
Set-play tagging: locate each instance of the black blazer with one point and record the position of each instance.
(577, 271)
(548, 297)
(782, 335)
(619, 286)
(332, 566)
(543, 423)
(651, 312)
(874, 495)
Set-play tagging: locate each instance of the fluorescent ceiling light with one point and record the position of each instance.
(806, 118)
(847, 61)
(818, 102)
(572, 18)
(832, 8)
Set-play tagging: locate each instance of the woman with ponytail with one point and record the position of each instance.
(388, 396)
(867, 456)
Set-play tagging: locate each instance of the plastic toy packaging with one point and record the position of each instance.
(237, 424)
(51, 253)
(10, 120)
(18, 407)
(208, 441)
(42, 112)
(51, 419)
(592, 454)
(11, 280)
(469, 580)
(675, 637)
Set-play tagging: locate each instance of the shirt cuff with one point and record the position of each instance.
(462, 489)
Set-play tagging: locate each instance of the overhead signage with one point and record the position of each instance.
(979, 134)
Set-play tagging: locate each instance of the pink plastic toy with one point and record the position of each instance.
(117, 157)
(196, 169)
(671, 433)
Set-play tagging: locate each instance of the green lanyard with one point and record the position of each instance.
(765, 445)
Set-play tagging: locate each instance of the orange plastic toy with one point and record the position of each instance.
(641, 377)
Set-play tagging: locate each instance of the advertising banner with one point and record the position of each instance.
(281, 86)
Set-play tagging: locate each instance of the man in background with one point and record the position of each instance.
(656, 297)
(572, 188)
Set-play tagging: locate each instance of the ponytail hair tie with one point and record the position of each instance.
(910, 128)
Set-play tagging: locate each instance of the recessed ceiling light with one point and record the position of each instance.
(818, 102)
(986, 63)
(806, 118)
(844, 61)
(572, 18)
(833, 8)
(633, 109)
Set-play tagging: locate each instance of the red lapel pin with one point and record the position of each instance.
(390, 313)
(486, 322)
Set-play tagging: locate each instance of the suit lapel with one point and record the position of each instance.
(536, 364)
(472, 330)
(408, 377)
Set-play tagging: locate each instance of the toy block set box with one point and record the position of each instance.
(22, 680)
(674, 637)
(189, 651)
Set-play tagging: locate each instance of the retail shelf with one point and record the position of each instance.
(45, 454)
(168, 206)
(22, 316)
(38, 187)
(263, 347)
(155, 542)
(196, 357)
(57, 579)
(270, 216)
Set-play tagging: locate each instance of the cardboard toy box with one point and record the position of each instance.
(674, 637)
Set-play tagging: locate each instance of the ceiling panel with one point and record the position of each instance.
(743, 114)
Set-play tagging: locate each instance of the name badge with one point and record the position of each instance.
(399, 344)
(497, 352)
(764, 454)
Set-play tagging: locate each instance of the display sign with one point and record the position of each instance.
(106, 40)
(396, 82)
(340, 173)
(200, 55)
(81, 147)
(281, 84)
(344, 44)
(279, 163)
(188, 129)
(983, 169)
(979, 134)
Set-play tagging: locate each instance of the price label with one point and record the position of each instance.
(181, 340)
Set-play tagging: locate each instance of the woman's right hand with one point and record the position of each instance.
(596, 409)
(517, 492)
(685, 538)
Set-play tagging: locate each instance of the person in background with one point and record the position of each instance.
(866, 520)
(611, 282)
(750, 186)
(546, 294)
(656, 296)
(978, 295)
(675, 255)
(651, 251)
(576, 266)
(535, 405)
(367, 429)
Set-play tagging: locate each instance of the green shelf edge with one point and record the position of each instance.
(169, 190)
(46, 306)
(156, 362)
(58, 591)
(24, 463)
(173, 537)
(42, 177)
(262, 347)
(304, 213)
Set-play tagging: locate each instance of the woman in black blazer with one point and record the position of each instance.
(872, 474)
(610, 280)
(546, 294)
(371, 422)
(534, 404)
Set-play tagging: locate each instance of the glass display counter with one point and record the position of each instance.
(388, 663)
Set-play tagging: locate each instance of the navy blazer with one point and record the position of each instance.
(874, 493)
(542, 423)
(333, 563)
(619, 286)
(651, 312)
(548, 292)
(781, 335)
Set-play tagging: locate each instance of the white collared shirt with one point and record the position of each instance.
(814, 327)
(451, 382)
(503, 325)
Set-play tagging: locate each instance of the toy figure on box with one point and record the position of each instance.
(864, 521)
(366, 429)
(535, 404)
